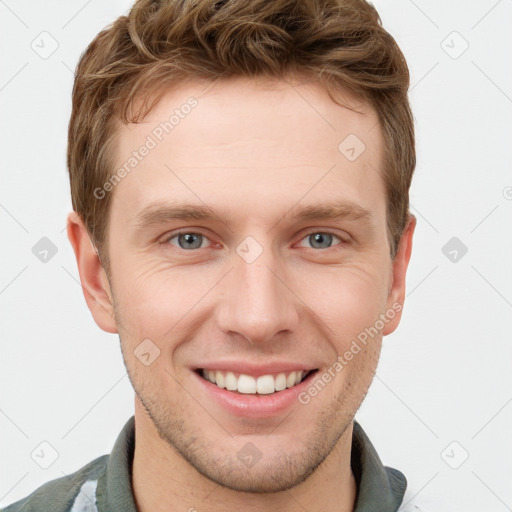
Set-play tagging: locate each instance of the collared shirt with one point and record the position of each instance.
(104, 484)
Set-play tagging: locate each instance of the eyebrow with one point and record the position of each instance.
(161, 212)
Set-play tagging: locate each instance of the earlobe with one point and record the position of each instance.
(93, 278)
(396, 295)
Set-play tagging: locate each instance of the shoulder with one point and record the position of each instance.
(60, 494)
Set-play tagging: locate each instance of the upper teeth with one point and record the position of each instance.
(263, 385)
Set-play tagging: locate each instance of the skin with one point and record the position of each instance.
(253, 150)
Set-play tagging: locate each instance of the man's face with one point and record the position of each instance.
(260, 290)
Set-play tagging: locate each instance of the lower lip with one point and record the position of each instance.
(254, 405)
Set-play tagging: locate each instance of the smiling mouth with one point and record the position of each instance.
(247, 384)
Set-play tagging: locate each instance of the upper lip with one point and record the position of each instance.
(248, 368)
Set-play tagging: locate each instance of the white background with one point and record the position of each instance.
(445, 374)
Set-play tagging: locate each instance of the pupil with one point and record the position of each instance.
(320, 237)
(189, 238)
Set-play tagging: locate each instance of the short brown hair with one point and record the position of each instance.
(341, 43)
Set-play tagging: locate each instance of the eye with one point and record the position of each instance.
(187, 240)
(321, 239)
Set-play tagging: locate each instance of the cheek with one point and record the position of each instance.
(346, 300)
(151, 298)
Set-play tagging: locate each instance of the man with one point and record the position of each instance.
(240, 175)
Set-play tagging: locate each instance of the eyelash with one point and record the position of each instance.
(183, 232)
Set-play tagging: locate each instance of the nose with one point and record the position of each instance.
(258, 300)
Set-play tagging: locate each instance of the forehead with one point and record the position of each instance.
(260, 137)
(242, 109)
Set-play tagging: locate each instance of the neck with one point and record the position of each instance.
(163, 481)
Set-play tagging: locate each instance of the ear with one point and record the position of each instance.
(396, 295)
(95, 284)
